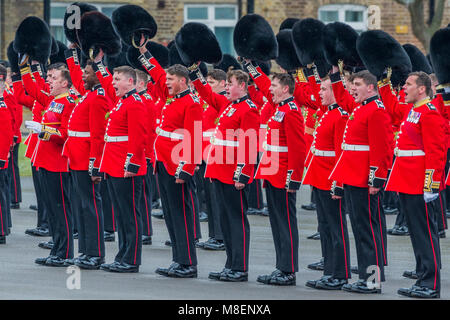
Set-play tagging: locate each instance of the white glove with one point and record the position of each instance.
(447, 89)
(428, 196)
(33, 126)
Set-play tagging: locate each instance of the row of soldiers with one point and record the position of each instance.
(97, 129)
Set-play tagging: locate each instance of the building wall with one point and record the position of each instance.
(170, 17)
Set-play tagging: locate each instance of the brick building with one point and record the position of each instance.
(222, 15)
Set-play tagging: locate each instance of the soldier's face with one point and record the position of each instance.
(175, 84)
(234, 89)
(57, 83)
(360, 90)
(216, 85)
(278, 91)
(412, 91)
(326, 93)
(89, 77)
(122, 83)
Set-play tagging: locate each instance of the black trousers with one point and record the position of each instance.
(283, 222)
(400, 220)
(195, 202)
(235, 225)
(179, 215)
(254, 195)
(214, 228)
(4, 191)
(8, 197)
(57, 201)
(422, 219)
(90, 215)
(390, 199)
(13, 168)
(107, 207)
(367, 226)
(333, 235)
(147, 228)
(126, 194)
(42, 211)
(441, 211)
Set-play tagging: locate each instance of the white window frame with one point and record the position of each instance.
(341, 9)
(211, 22)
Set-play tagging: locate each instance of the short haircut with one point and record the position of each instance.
(241, 76)
(57, 66)
(179, 71)
(422, 79)
(433, 78)
(141, 76)
(366, 77)
(3, 73)
(217, 74)
(127, 71)
(65, 74)
(285, 79)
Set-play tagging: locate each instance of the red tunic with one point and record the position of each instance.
(6, 134)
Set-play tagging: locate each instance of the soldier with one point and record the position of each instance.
(181, 113)
(362, 168)
(84, 149)
(281, 167)
(6, 142)
(325, 150)
(421, 152)
(123, 161)
(52, 133)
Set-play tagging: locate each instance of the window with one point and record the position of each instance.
(353, 15)
(221, 19)
(58, 10)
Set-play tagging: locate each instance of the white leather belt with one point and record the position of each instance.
(226, 143)
(408, 153)
(78, 134)
(116, 139)
(171, 135)
(208, 134)
(322, 153)
(269, 147)
(355, 147)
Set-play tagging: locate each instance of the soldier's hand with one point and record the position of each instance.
(143, 44)
(239, 186)
(96, 180)
(99, 56)
(334, 69)
(373, 190)
(179, 181)
(291, 190)
(336, 197)
(128, 174)
(72, 45)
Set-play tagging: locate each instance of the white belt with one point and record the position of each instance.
(269, 147)
(263, 126)
(322, 153)
(171, 135)
(116, 139)
(408, 153)
(208, 134)
(78, 134)
(226, 143)
(355, 147)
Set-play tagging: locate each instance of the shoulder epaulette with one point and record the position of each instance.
(379, 104)
(70, 99)
(136, 97)
(101, 91)
(251, 104)
(342, 111)
(2, 104)
(292, 105)
(147, 96)
(431, 106)
(195, 98)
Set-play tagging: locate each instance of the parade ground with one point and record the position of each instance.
(21, 278)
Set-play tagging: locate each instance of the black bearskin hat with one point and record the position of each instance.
(70, 33)
(13, 58)
(160, 52)
(228, 61)
(418, 60)
(287, 57)
(288, 23)
(440, 54)
(33, 38)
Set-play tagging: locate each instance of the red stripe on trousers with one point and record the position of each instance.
(381, 232)
(185, 224)
(432, 247)
(373, 236)
(442, 211)
(65, 215)
(135, 223)
(243, 226)
(98, 223)
(193, 210)
(146, 207)
(290, 232)
(343, 238)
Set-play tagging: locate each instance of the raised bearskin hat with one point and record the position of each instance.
(196, 42)
(308, 44)
(160, 52)
(97, 32)
(118, 59)
(71, 32)
(288, 23)
(440, 54)
(55, 47)
(418, 60)
(339, 41)
(254, 38)
(34, 39)
(13, 58)
(174, 58)
(287, 57)
(131, 21)
(379, 50)
(228, 61)
(59, 56)
(265, 66)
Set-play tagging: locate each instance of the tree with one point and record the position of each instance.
(422, 29)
